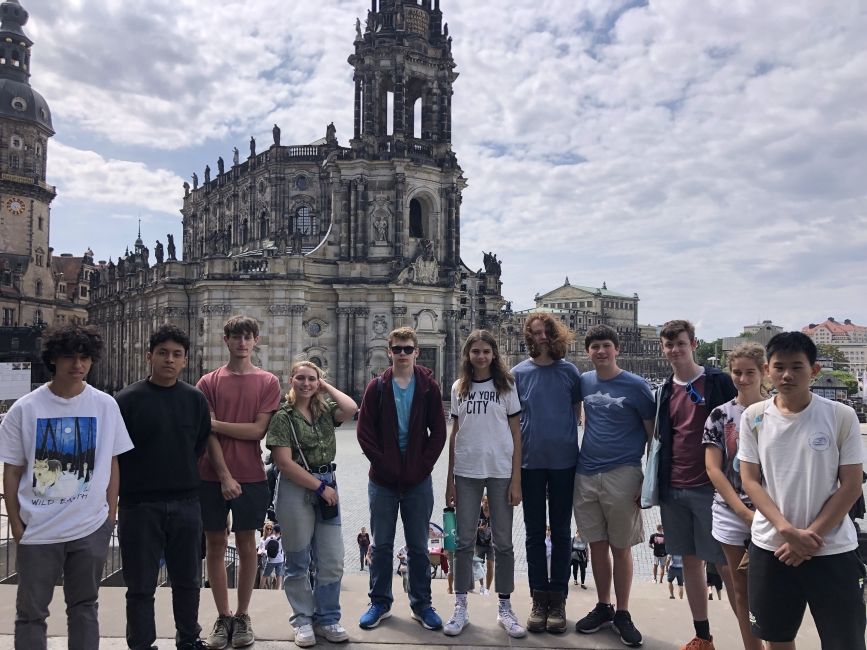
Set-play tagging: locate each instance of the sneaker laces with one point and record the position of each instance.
(222, 623)
(459, 615)
(242, 622)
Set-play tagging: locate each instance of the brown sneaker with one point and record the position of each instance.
(538, 618)
(242, 631)
(556, 612)
(221, 634)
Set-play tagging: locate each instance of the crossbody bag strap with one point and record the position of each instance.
(297, 445)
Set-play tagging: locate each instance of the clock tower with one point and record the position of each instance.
(27, 284)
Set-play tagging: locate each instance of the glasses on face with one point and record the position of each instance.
(694, 396)
(406, 349)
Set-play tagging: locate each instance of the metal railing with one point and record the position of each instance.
(111, 572)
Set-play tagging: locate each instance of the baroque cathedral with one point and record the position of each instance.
(328, 246)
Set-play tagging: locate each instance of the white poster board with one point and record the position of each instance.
(14, 379)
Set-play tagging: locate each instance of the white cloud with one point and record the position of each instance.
(707, 154)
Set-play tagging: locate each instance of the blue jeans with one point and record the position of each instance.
(555, 486)
(305, 536)
(416, 507)
(148, 532)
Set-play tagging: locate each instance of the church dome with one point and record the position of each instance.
(19, 101)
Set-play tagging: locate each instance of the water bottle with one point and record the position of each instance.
(449, 525)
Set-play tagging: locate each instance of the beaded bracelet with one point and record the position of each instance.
(321, 488)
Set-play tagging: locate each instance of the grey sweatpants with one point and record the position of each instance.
(468, 494)
(39, 566)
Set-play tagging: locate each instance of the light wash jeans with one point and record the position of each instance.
(307, 538)
(468, 497)
(416, 506)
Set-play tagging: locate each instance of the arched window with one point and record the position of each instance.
(39, 287)
(263, 225)
(245, 232)
(305, 222)
(416, 227)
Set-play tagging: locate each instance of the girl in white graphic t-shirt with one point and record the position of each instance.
(484, 454)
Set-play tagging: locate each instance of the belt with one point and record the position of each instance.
(323, 469)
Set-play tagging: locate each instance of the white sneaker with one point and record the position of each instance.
(485, 591)
(459, 620)
(507, 620)
(304, 637)
(334, 632)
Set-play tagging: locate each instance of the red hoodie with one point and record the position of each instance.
(377, 431)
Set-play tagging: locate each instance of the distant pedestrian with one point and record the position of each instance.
(363, 540)
(657, 543)
(579, 559)
(674, 568)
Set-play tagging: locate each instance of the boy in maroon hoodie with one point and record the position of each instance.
(402, 431)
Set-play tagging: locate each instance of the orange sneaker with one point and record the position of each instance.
(699, 644)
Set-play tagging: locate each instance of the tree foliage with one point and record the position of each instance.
(707, 349)
(827, 351)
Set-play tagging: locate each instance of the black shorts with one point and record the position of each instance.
(832, 585)
(675, 573)
(248, 510)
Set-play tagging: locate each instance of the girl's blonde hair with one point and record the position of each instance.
(318, 405)
(749, 350)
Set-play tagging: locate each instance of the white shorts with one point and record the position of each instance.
(727, 527)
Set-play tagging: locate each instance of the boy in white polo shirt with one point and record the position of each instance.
(801, 463)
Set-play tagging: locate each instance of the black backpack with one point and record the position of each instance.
(272, 548)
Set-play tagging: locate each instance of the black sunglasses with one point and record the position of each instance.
(406, 349)
(694, 396)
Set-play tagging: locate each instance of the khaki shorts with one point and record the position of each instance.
(605, 506)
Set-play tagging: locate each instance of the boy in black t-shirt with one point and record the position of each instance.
(160, 516)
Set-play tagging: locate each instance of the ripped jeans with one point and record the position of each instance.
(309, 542)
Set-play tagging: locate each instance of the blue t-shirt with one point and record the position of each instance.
(614, 433)
(403, 404)
(549, 426)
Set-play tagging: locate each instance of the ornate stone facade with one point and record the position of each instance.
(328, 247)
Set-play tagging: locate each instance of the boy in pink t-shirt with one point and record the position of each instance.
(242, 398)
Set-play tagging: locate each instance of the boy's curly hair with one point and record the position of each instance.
(65, 340)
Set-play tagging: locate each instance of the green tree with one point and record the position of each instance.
(846, 378)
(707, 349)
(827, 351)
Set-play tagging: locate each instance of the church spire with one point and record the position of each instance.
(14, 43)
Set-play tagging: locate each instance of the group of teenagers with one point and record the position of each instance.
(759, 486)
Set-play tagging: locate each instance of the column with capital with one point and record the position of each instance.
(399, 193)
(398, 313)
(296, 333)
(359, 348)
(343, 350)
(451, 348)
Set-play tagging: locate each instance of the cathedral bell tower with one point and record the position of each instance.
(404, 73)
(27, 287)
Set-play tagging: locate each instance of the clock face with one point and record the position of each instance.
(15, 205)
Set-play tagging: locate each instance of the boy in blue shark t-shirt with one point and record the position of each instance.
(619, 410)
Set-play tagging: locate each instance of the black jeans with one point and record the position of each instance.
(554, 486)
(149, 532)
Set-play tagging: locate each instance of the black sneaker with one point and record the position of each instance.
(599, 617)
(622, 624)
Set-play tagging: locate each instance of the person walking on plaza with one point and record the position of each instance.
(674, 571)
(801, 465)
(549, 388)
(579, 559)
(484, 454)
(402, 431)
(275, 559)
(61, 528)
(242, 398)
(303, 445)
(657, 543)
(732, 509)
(160, 516)
(363, 540)
(618, 422)
(683, 404)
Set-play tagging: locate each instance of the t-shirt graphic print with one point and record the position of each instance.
(65, 457)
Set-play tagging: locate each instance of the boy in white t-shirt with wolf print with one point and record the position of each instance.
(801, 465)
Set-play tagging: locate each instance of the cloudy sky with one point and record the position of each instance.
(710, 155)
